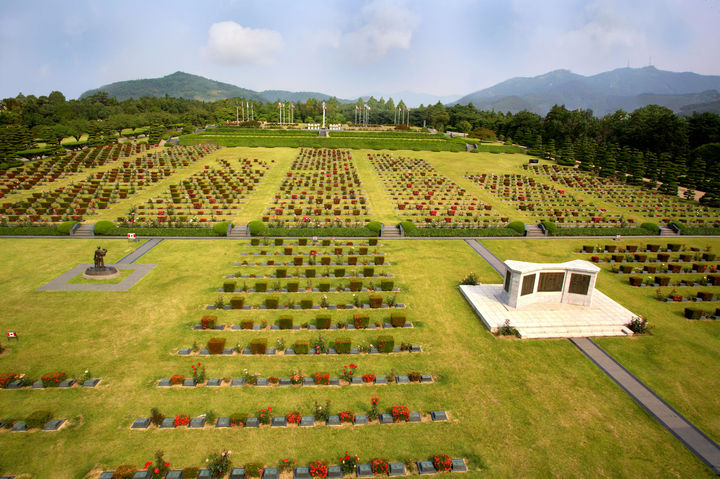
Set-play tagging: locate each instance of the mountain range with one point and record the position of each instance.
(623, 88)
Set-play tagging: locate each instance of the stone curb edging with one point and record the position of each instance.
(286, 382)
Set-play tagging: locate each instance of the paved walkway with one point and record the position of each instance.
(493, 260)
(141, 250)
(694, 439)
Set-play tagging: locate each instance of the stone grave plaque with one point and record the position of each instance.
(289, 352)
(334, 472)
(354, 351)
(141, 475)
(307, 421)
(107, 475)
(311, 351)
(252, 422)
(236, 327)
(274, 327)
(279, 421)
(246, 352)
(164, 383)
(438, 416)
(285, 382)
(458, 465)
(141, 423)
(174, 475)
(386, 418)
(38, 384)
(167, 423)
(262, 382)
(204, 474)
(387, 326)
(257, 327)
(356, 381)
(396, 469)
(397, 349)
(426, 467)
(415, 349)
(189, 382)
(223, 422)
(90, 383)
(426, 378)
(308, 382)
(334, 381)
(333, 421)
(360, 419)
(237, 382)
(53, 425)
(402, 379)
(67, 383)
(331, 351)
(408, 325)
(414, 417)
(237, 473)
(19, 426)
(271, 473)
(197, 423)
(228, 351)
(184, 352)
(381, 380)
(270, 351)
(204, 352)
(301, 473)
(215, 382)
(364, 470)
(373, 350)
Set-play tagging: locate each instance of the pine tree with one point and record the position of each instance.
(636, 167)
(567, 154)
(550, 152)
(668, 172)
(651, 166)
(156, 134)
(609, 161)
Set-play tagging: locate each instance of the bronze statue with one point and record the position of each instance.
(100, 259)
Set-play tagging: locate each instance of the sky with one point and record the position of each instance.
(346, 48)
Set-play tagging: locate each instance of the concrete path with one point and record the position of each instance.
(694, 439)
(61, 282)
(493, 260)
(141, 250)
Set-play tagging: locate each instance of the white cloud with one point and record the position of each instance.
(231, 43)
(385, 26)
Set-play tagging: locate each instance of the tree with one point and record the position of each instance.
(609, 164)
(464, 126)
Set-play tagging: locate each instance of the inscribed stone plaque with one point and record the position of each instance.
(551, 282)
(528, 285)
(579, 283)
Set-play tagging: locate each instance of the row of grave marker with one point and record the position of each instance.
(262, 382)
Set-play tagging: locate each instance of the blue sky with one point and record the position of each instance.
(346, 47)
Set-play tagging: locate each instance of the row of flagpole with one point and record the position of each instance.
(401, 114)
(284, 114)
(250, 111)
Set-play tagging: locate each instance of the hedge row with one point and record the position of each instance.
(610, 231)
(30, 231)
(309, 232)
(444, 232)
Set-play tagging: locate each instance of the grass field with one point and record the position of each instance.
(517, 408)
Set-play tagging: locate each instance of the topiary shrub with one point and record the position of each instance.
(387, 285)
(237, 419)
(324, 286)
(323, 321)
(342, 345)
(352, 260)
(397, 319)
(254, 241)
(375, 301)
(216, 345)
(298, 260)
(281, 273)
(361, 321)
(306, 303)
(293, 286)
(517, 226)
(310, 273)
(651, 227)
(237, 302)
(285, 322)
(221, 228)
(124, 471)
(279, 241)
(355, 285)
(103, 227)
(693, 313)
(378, 260)
(385, 343)
(302, 241)
(258, 346)
(256, 228)
(374, 226)
(368, 271)
(65, 227)
(247, 324)
(190, 473)
(261, 286)
(408, 227)
(372, 241)
(229, 286)
(302, 346)
(339, 272)
(550, 227)
(37, 419)
(271, 302)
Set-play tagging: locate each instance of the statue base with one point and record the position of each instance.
(106, 272)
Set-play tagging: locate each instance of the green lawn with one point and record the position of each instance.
(518, 408)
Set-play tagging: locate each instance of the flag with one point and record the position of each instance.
(323, 105)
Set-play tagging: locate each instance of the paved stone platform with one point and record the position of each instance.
(554, 320)
(61, 282)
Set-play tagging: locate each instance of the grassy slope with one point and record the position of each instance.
(518, 408)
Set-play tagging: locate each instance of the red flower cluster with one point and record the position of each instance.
(182, 420)
(374, 400)
(347, 416)
(319, 469)
(442, 462)
(53, 378)
(322, 378)
(177, 379)
(400, 413)
(6, 379)
(380, 466)
(369, 378)
(293, 417)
